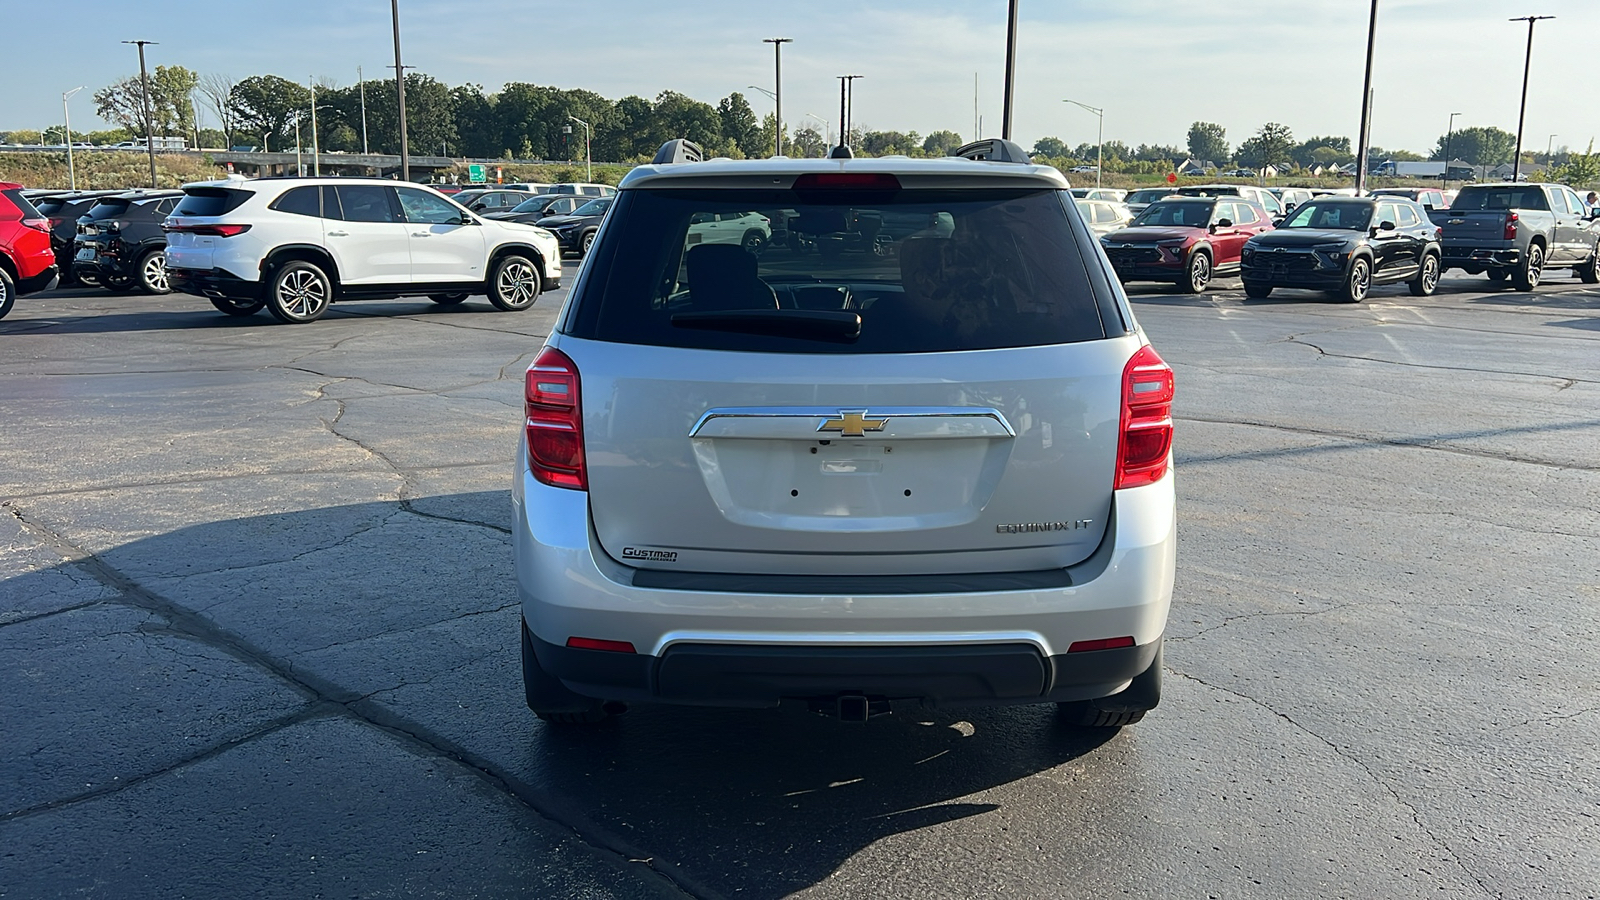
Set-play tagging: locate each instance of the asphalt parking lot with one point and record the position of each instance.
(259, 635)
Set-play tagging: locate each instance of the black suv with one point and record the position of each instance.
(577, 229)
(63, 208)
(542, 206)
(1346, 246)
(121, 243)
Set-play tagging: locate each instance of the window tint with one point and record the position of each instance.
(365, 203)
(424, 208)
(924, 270)
(594, 207)
(310, 200)
(1387, 213)
(205, 201)
(1190, 213)
(1485, 198)
(1407, 217)
(1246, 214)
(108, 209)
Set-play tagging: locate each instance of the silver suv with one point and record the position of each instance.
(916, 453)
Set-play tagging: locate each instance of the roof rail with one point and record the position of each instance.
(681, 150)
(993, 150)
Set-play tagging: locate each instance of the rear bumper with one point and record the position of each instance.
(754, 649)
(1461, 257)
(42, 281)
(212, 283)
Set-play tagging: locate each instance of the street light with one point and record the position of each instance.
(400, 86)
(1527, 67)
(1548, 148)
(149, 120)
(66, 117)
(777, 96)
(1449, 133)
(1100, 152)
(362, 81)
(1364, 137)
(588, 170)
(827, 127)
(756, 87)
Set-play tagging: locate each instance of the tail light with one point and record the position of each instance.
(1511, 226)
(1147, 391)
(210, 230)
(37, 224)
(555, 422)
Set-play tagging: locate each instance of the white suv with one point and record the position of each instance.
(920, 457)
(296, 245)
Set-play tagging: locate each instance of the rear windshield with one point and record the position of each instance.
(1187, 213)
(108, 209)
(925, 271)
(49, 206)
(1148, 196)
(1476, 198)
(210, 201)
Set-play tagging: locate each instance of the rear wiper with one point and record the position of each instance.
(840, 326)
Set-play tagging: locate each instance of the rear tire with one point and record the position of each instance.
(1498, 276)
(298, 293)
(1257, 291)
(514, 283)
(448, 299)
(1427, 280)
(240, 308)
(1123, 708)
(116, 284)
(1526, 277)
(8, 293)
(752, 241)
(152, 271)
(1589, 272)
(549, 699)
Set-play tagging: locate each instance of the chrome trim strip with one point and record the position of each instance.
(824, 639)
(803, 422)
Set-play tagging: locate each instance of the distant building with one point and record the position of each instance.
(1196, 167)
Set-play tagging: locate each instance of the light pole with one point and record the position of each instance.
(777, 95)
(827, 127)
(1449, 132)
(400, 87)
(363, 83)
(1364, 137)
(1548, 149)
(1011, 68)
(756, 87)
(588, 166)
(66, 118)
(149, 120)
(1100, 152)
(1527, 67)
(316, 149)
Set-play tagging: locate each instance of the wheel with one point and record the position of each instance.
(1257, 291)
(239, 308)
(85, 280)
(752, 241)
(1123, 708)
(514, 284)
(549, 699)
(1498, 276)
(447, 299)
(1427, 280)
(116, 283)
(152, 275)
(586, 242)
(1357, 282)
(1198, 274)
(1526, 276)
(299, 293)
(1589, 272)
(8, 293)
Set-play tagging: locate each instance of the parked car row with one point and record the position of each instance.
(26, 261)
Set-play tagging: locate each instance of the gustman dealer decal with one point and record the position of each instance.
(670, 556)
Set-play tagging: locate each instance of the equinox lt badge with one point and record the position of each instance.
(1032, 527)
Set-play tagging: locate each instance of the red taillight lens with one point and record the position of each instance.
(210, 230)
(1147, 391)
(1101, 644)
(1511, 226)
(37, 224)
(858, 181)
(555, 422)
(583, 643)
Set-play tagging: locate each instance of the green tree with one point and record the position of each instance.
(1208, 140)
(266, 107)
(808, 143)
(889, 143)
(1305, 155)
(172, 100)
(738, 124)
(943, 143)
(1157, 153)
(1479, 146)
(1049, 148)
(1580, 170)
(122, 103)
(1273, 145)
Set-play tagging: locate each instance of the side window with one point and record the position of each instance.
(166, 206)
(1574, 203)
(1227, 211)
(423, 208)
(366, 203)
(1386, 213)
(300, 201)
(1407, 217)
(1246, 214)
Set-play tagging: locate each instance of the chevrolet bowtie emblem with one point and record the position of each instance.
(852, 423)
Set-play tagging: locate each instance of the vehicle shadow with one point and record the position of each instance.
(757, 803)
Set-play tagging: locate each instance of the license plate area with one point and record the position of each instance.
(85, 254)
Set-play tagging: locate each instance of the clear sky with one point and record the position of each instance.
(1154, 65)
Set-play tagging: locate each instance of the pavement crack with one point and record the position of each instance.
(1358, 762)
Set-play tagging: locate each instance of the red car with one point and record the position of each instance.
(1185, 240)
(27, 263)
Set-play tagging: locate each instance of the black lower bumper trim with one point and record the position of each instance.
(747, 675)
(215, 283)
(39, 282)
